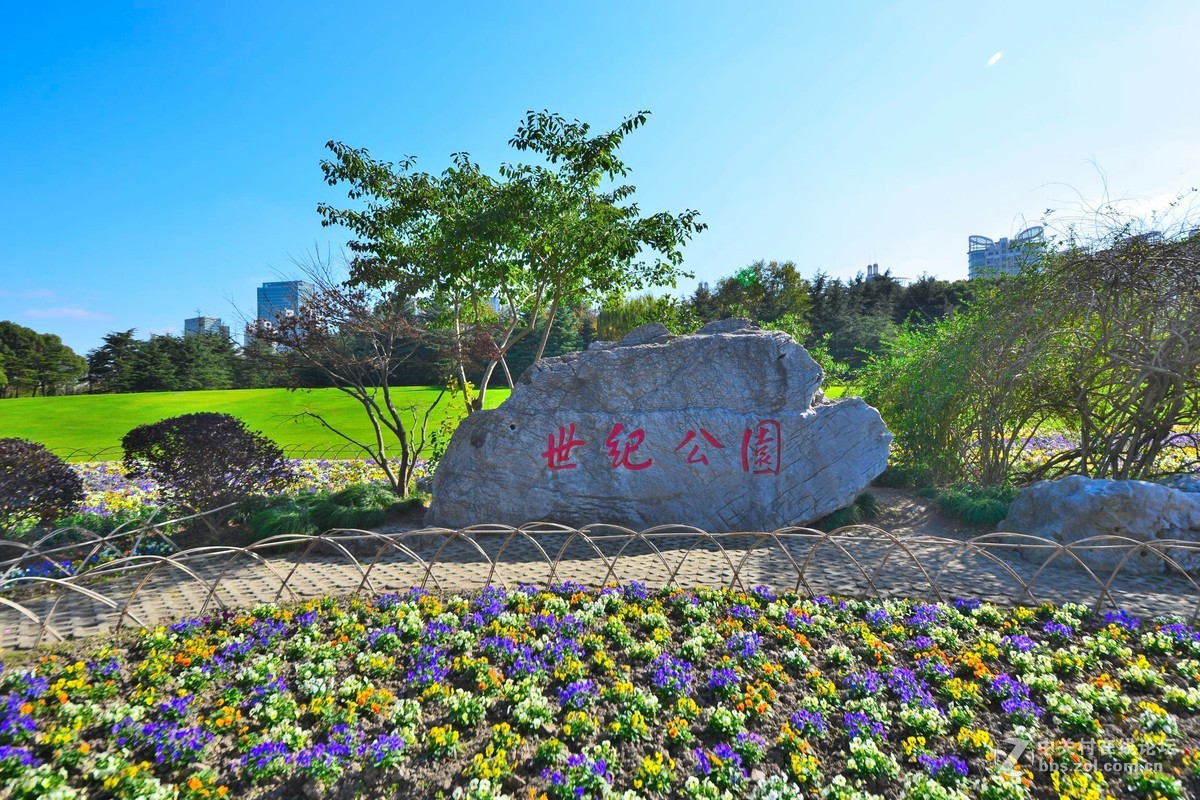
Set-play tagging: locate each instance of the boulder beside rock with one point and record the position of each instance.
(717, 429)
(1075, 508)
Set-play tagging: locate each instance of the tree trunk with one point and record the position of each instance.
(541, 348)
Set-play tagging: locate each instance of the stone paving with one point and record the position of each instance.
(191, 584)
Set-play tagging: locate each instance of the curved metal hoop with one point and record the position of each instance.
(862, 559)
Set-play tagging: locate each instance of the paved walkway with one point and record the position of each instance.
(155, 591)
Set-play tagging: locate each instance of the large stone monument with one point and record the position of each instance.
(724, 429)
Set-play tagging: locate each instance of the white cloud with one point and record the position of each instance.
(65, 312)
(999, 54)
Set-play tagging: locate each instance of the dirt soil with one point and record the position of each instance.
(906, 513)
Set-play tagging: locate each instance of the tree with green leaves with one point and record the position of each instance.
(36, 363)
(620, 315)
(109, 364)
(963, 395)
(565, 337)
(502, 256)
(203, 361)
(764, 292)
(1125, 305)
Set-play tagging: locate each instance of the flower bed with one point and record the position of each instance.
(110, 493)
(577, 693)
(1181, 454)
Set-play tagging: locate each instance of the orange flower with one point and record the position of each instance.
(84, 747)
(26, 708)
(194, 783)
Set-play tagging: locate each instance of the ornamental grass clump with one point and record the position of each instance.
(981, 506)
(357, 506)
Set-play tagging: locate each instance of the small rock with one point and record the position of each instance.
(1076, 508)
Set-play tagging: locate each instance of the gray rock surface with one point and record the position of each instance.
(1184, 483)
(717, 429)
(1074, 508)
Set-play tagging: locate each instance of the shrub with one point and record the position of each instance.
(105, 524)
(205, 460)
(895, 477)
(361, 505)
(288, 516)
(862, 509)
(35, 484)
(982, 506)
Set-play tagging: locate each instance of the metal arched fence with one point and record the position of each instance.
(75, 583)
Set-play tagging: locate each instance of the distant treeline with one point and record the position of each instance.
(843, 320)
(33, 363)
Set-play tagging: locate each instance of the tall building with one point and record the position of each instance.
(200, 325)
(278, 298)
(987, 258)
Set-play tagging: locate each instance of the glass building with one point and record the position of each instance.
(278, 298)
(202, 325)
(987, 258)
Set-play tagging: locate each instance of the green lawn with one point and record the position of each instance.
(79, 426)
(834, 390)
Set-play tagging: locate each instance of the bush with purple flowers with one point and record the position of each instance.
(672, 676)
(582, 776)
(721, 765)
(948, 770)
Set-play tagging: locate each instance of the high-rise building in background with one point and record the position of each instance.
(279, 298)
(987, 258)
(201, 325)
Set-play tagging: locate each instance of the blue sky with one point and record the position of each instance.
(163, 158)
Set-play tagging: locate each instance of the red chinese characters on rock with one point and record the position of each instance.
(621, 446)
(695, 456)
(761, 448)
(558, 453)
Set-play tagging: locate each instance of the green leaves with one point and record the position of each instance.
(530, 241)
